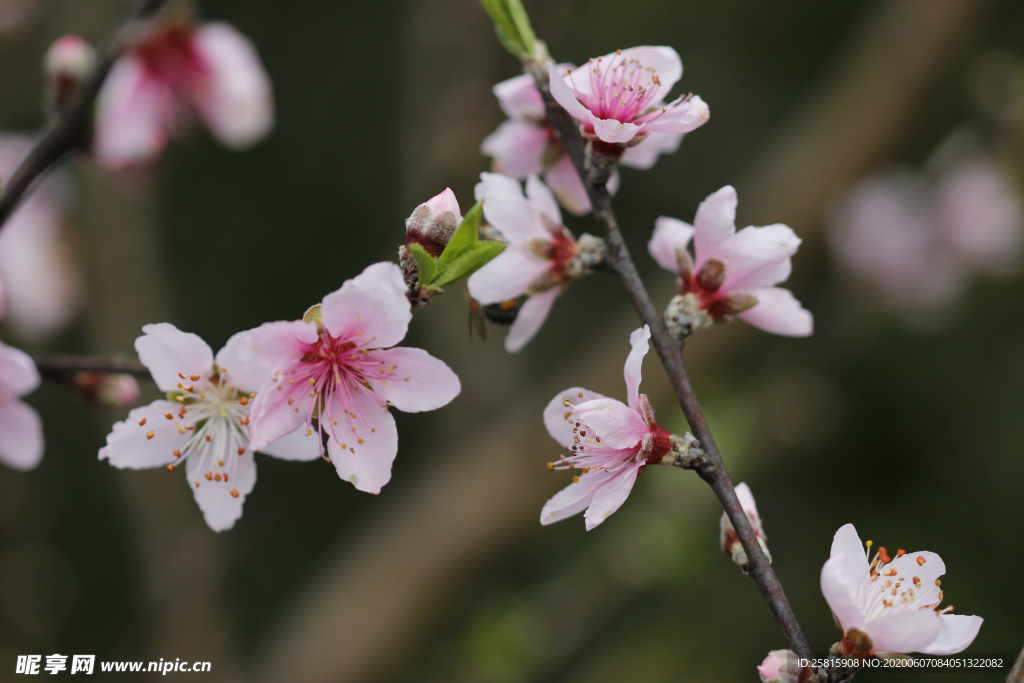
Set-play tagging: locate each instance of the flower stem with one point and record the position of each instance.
(595, 171)
(60, 366)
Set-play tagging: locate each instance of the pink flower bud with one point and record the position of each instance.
(66, 64)
(119, 390)
(731, 545)
(434, 222)
(783, 666)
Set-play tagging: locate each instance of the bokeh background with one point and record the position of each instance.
(911, 431)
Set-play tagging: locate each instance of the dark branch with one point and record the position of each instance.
(60, 367)
(595, 171)
(71, 126)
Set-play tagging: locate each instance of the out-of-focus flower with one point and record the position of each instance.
(336, 365)
(783, 666)
(891, 604)
(204, 422)
(541, 258)
(610, 443)
(42, 284)
(114, 390)
(66, 64)
(211, 72)
(916, 239)
(621, 95)
(732, 274)
(731, 545)
(21, 430)
(526, 145)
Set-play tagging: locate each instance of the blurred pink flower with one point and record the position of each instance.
(782, 666)
(204, 422)
(211, 72)
(41, 283)
(733, 273)
(611, 443)
(730, 542)
(118, 390)
(21, 430)
(67, 63)
(339, 368)
(433, 223)
(621, 95)
(541, 258)
(891, 604)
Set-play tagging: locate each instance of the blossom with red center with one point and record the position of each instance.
(21, 430)
(621, 95)
(541, 258)
(211, 72)
(732, 273)
(609, 443)
(730, 541)
(337, 366)
(891, 604)
(203, 422)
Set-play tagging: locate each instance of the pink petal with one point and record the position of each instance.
(618, 425)
(277, 345)
(301, 445)
(670, 239)
(715, 223)
(507, 276)
(508, 210)
(746, 499)
(614, 131)
(909, 631)
(610, 496)
(843, 575)
(221, 509)
(18, 374)
(130, 447)
(246, 376)
(235, 100)
(542, 200)
(445, 201)
(757, 257)
(134, 111)
(370, 309)
(272, 417)
(423, 382)
(565, 96)
(530, 319)
(958, 631)
(519, 99)
(565, 182)
(574, 498)
(21, 435)
(169, 353)
(777, 311)
(559, 427)
(644, 155)
(664, 60)
(367, 465)
(681, 118)
(638, 339)
(517, 148)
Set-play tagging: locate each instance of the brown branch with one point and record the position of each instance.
(1017, 672)
(595, 176)
(71, 126)
(60, 367)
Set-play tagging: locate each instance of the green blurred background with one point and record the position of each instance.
(912, 434)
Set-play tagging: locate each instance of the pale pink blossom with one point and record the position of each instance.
(609, 443)
(41, 283)
(730, 542)
(621, 95)
(891, 604)
(731, 273)
(338, 366)
(21, 430)
(203, 422)
(211, 73)
(541, 258)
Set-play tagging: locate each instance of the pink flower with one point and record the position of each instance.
(621, 95)
(610, 443)
(204, 422)
(891, 604)
(731, 545)
(733, 273)
(21, 430)
(41, 284)
(211, 72)
(337, 366)
(541, 258)
(433, 223)
(783, 666)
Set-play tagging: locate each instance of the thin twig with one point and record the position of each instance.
(60, 366)
(71, 124)
(1017, 672)
(713, 472)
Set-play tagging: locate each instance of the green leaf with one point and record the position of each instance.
(512, 25)
(522, 22)
(468, 263)
(425, 263)
(463, 239)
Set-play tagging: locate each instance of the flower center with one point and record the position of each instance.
(891, 589)
(169, 55)
(624, 90)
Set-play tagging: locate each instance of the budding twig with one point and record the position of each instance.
(70, 125)
(59, 367)
(595, 170)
